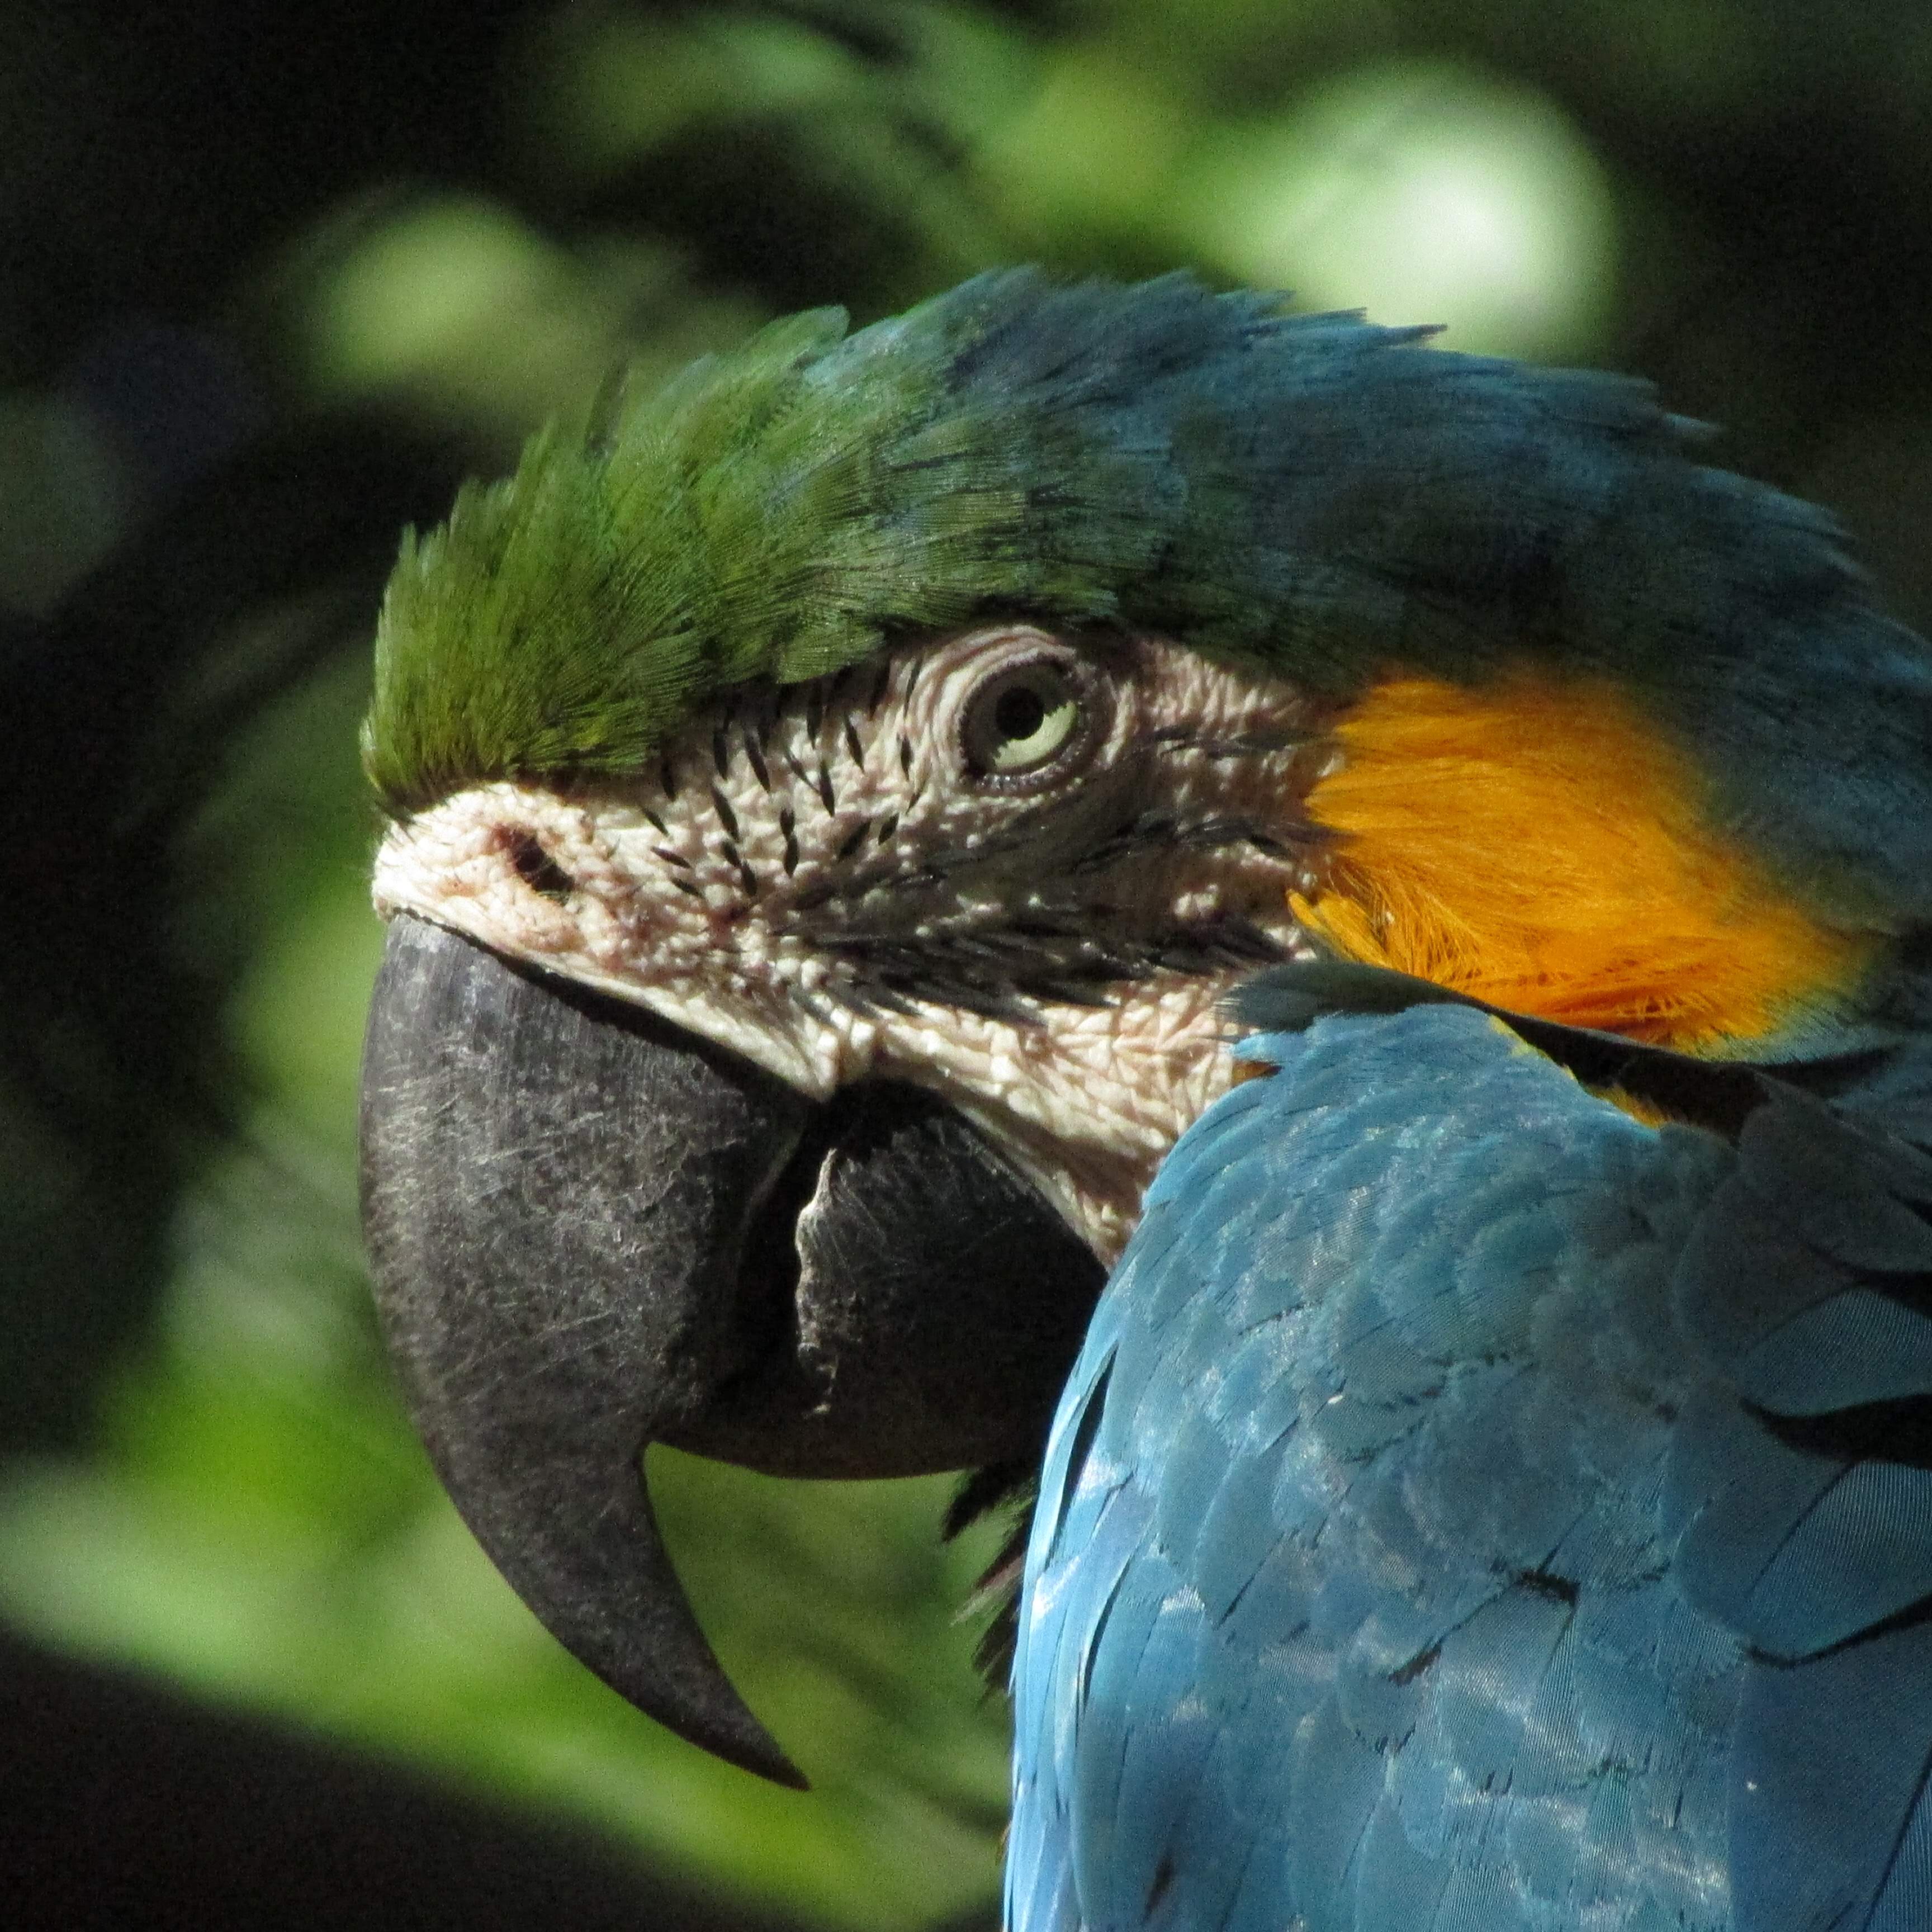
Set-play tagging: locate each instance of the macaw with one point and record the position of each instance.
(1381, 848)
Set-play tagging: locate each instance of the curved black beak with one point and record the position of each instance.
(590, 1231)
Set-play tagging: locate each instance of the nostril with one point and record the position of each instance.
(536, 868)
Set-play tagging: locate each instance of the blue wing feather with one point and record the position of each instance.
(1474, 1508)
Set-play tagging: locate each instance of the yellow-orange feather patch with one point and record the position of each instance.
(1541, 846)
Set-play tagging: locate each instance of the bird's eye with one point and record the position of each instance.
(1022, 720)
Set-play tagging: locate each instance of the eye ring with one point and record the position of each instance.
(1027, 722)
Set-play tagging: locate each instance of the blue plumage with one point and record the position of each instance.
(1475, 1509)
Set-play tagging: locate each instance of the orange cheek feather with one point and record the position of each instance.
(1540, 846)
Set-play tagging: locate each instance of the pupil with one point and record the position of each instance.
(1019, 712)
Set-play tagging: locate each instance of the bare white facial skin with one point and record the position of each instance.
(1018, 869)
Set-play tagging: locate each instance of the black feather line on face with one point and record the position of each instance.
(755, 752)
(1184, 738)
(1157, 829)
(1050, 962)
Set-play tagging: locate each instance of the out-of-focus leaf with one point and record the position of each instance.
(1423, 194)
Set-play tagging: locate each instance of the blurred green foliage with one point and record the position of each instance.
(263, 305)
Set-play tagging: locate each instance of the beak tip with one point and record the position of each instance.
(766, 1759)
(673, 1678)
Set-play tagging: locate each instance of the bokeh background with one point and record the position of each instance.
(272, 280)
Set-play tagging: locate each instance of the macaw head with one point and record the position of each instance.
(831, 800)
